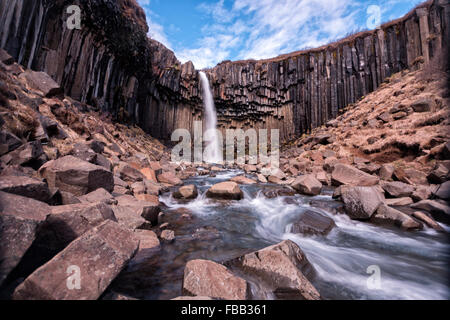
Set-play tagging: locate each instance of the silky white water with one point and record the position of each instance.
(212, 153)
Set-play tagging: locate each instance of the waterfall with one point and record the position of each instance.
(212, 154)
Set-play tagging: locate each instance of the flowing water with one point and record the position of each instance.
(213, 152)
(413, 265)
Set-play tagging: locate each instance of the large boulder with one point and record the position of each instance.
(66, 223)
(386, 215)
(8, 142)
(129, 173)
(76, 176)
(361, 202)
(397, 189)
(131, 218)
(149, 245)
(30, 154)
(96, 257)
(439, 210)
(307, 185)
(283, 268)
(99, 195)
(312, 223)
(18, 228)
(226, 191)
(347, 175)
(386, 172)
(145, 209)
(443, 192)
(207, 278)
(24, 186)
(186, 192)
(42, 82)
(243, 180)
(169, 178)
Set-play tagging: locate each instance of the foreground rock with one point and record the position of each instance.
(282, 268)
(147, 210)
(24, 186)
(386, 215)
(225, 191)
(397, 189)
(348, 175)
(361, 202)
(243, 180)
(18, 229)
(207, 278)
(99, 256)
(307, 185)
(186, 192)
(439, 210)
(76, 176)
(312, 223)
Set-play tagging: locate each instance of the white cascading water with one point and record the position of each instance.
(213, 154)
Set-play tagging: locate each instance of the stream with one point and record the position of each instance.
(413, 265)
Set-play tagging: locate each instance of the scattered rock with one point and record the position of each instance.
(312, 223)
(76, 176)
(386, 215)
(361, 202)
(422, 105)
(386, 172)
(225, 191)
(243, 180)
(169, 178)
(186, 192)
(283, 268)
(42, 82)
(397, 189)
(128, 173)
(99, 256)
(443, 191)
(168, 236)
(207, 278)
(429, 221)
(348, 175)
(438, 210)
(397, 202)
(99, 195)
(307, 185)
(24, 186)
(8, 142)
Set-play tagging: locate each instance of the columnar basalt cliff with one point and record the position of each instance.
(110, 63)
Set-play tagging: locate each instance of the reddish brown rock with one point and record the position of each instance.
(348, 175)
(147, 210)
(386, 215)
(129, 174)
(397, 189)
(307, 185)
(42, 82)
(283, 268)
(225, 191)
(169, 178)
(207, 278)
(361, 202)
(24, 186)
(186, 192)
(429, 221)
(243, 180)
(76, 176)
(312, 223)
(97, 257)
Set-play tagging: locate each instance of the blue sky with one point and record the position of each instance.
(210, 31)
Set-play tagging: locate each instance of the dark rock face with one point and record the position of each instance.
(24, 186)
(139, 80)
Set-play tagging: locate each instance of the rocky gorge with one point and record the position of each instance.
(363, 168)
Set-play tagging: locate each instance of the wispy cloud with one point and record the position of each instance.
(249, 29)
